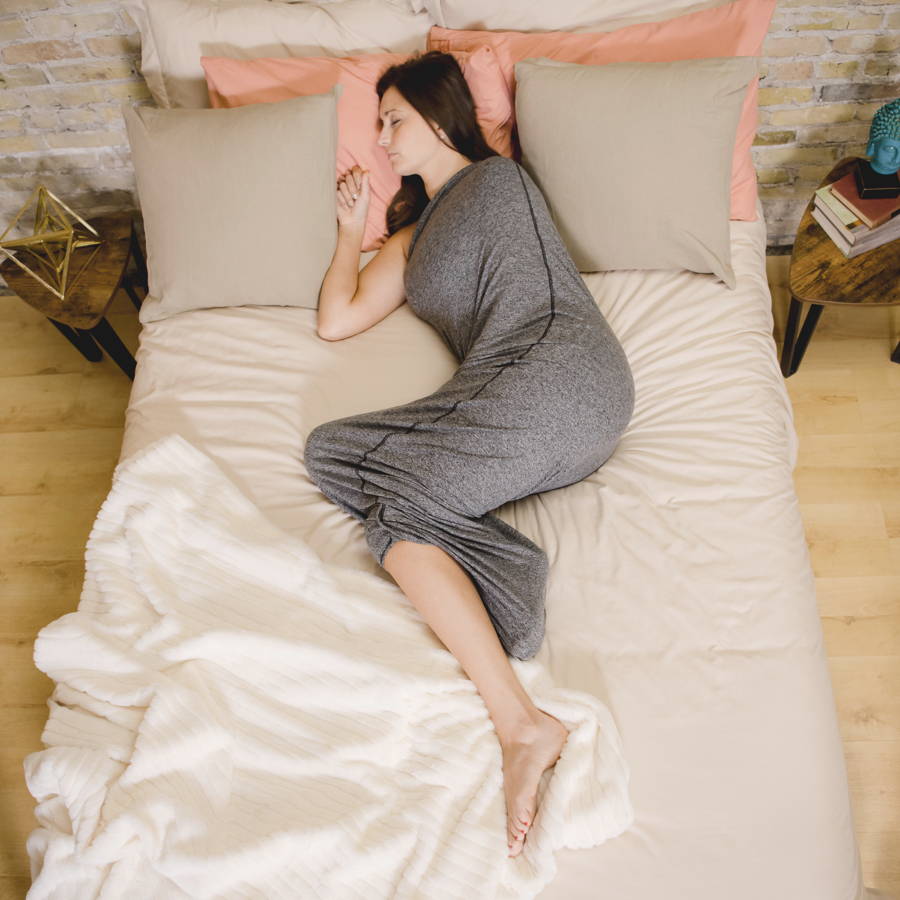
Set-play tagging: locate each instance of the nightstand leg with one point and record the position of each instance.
(790, 332)
(79, 339)
(139, 260)
(109, 341)
(128, 287)
(895, 356)
(809, 326)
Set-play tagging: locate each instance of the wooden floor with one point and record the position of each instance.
(60, 433)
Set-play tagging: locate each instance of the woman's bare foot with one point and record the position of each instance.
(526, 756)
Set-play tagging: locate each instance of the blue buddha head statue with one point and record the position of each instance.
(884, 139)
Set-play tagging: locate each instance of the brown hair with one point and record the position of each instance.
(434, 85)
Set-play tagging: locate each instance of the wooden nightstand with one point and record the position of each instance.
(820, 274)
(80, 316)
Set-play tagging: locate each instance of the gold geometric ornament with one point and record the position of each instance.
(56, 245)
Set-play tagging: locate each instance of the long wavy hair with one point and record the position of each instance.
(434, 85)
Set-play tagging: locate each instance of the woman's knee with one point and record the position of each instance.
(325, 468)
(313, 463)
(319, 448)
(318, 437)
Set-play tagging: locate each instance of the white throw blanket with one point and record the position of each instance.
(234, 718)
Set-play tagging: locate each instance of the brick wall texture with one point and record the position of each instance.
(65, 66)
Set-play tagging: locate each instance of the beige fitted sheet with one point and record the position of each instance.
(681, 591)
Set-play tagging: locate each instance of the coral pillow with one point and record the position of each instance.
(238, 82)
(737, 29)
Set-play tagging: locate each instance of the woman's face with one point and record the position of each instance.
(405, 135)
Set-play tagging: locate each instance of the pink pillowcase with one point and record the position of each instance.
(238, 82)
(737, 29)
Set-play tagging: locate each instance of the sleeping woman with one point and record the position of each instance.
(542, 394)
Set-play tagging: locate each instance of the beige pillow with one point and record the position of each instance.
(176, 33)
(560, 15)
(634, 158)
(238, 204)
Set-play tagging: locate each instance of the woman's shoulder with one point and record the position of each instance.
(403, 236)
(498, 167)
(505, 162)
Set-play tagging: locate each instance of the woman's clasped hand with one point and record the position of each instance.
(353, 197)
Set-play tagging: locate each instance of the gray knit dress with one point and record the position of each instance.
(541, 397)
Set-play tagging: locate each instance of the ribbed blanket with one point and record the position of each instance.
(232, 717)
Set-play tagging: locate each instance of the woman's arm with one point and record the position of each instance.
(379, 289)
(341, 280)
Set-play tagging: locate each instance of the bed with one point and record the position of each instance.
(681, 597)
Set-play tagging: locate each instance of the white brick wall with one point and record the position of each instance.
(827, 67)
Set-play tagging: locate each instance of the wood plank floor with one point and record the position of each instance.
(61, 423)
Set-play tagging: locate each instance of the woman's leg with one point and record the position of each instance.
(531, 740)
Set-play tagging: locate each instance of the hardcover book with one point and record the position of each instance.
(873, 240)
(873, 211)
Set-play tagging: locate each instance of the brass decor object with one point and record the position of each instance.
(56, 238)
(80, 316)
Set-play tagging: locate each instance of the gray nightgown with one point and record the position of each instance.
(541, 397)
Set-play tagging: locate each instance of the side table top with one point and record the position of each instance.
(86, 301)
(820, 273)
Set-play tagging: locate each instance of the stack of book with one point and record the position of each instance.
(853, 223)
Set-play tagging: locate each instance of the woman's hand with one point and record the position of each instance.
(353, 198)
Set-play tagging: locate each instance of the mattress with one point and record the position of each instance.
(681, 592)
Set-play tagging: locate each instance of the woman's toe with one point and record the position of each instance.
(515, 839)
